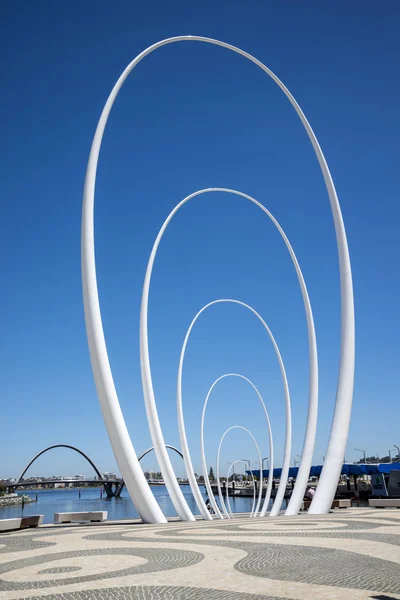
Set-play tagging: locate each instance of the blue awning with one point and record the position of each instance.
(387, 467)
(347, 469)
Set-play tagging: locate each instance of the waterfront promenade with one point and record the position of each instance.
(353, 553)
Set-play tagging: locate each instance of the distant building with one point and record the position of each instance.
(110, 476)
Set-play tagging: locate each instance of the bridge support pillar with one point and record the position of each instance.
(108, 486)
(118, 489)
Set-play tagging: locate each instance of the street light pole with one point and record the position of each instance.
(246, 462)
(363, 451)
(233, 472)
(262, 469)
(398, 452)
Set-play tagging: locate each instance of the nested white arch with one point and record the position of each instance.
(228, 504)
(311, 428)
(185, 448)
(202, 449)
(254, 511)
(112, 414)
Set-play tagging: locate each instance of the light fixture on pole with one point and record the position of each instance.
(246, 462)
(398, 452)
(231, 464)
(363, 451)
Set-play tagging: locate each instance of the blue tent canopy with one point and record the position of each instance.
(347, 469)
(387, 467)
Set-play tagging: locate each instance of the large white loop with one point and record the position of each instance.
(254, 511)
(311, 427)
(228, 504)
(112, 414)
(202, 449)
(184, 445)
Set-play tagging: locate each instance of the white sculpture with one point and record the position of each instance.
(155, 428)
(203, 454)
(114, 421)
(228, 504)
(255, 510)
(288, 435)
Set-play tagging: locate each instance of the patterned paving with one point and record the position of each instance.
(307, 564)
(156, 560)
(57, 570)
(158, 593)
(354, 552)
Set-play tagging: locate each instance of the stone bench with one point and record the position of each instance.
(338, 503)
(10, 524)
(384, 502)
(31, 521)
(341, 503)
(21, 522)
(79, 517)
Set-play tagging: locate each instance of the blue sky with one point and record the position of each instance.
(190, 117)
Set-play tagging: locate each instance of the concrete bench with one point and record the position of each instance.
(31, 521)
(10, 524)
(79, 517)
(384, 502)
(338, 503)
(341, 503)
(21, 522)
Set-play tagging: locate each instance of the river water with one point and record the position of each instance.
(68, 500)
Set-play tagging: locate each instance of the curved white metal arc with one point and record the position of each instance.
(288, 436)
(270, 440)
(112, 414)
(228, 504)
(311, 427)
(254, 489)
(255, 511)
(152, 450)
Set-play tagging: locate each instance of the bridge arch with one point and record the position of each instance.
(98, 472)
(152, 448)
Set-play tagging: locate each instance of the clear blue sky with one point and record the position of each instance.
(189, 117)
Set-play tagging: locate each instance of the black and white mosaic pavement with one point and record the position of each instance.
(323, 566)
(57, 570)
(158, 593)
(354, 553)
(156, 560)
